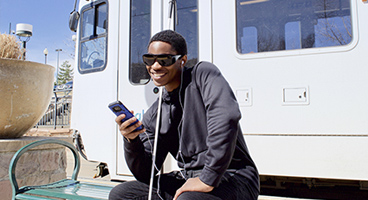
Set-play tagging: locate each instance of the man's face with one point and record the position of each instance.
(168, 76)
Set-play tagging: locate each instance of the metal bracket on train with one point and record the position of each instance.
(102, 170)
(77, 140)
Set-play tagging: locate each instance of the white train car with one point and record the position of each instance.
(297, 68)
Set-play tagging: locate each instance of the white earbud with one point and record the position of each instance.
(182, 62)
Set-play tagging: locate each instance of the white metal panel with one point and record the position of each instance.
(332, 157)
(92, 93)
(158, 15)
(205, 30)
(123, 54)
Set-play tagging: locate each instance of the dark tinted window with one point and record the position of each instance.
(140, 34)
(188, 27)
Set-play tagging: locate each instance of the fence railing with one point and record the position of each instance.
(59, 110)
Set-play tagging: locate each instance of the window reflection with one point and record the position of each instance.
(93, 54)
(292, 38)
(87, 23)
(249, 40)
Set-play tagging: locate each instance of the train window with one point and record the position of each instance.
(140, 34)
(187, 26)
(93, 38)
(291, 24)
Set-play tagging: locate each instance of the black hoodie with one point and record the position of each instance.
(201, 130)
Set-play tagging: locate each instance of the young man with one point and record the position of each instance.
(199, 126)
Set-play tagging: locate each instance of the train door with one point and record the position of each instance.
(95, 80)
(134, 87)
(147, 17)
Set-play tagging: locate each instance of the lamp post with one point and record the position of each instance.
(25, 31)
(57, 66)
(45, 52)
(57, 80)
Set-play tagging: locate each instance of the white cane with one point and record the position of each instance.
(171, 25)
(155, 143)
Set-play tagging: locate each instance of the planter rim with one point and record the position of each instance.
(6, 61)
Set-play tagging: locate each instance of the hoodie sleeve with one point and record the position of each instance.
(138, 152)
(223, 115)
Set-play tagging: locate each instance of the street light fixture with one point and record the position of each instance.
(57, 81)
(57, 67)
(24, 31)
(45, 52)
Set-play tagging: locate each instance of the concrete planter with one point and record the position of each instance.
(25, 92)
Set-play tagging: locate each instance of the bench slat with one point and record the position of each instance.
(78, 191)
(29, 197)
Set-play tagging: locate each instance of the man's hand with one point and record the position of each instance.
(193, 185)
(128, 132)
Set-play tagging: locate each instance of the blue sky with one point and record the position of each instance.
(50, 20)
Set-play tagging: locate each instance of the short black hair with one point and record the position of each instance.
(176, 40)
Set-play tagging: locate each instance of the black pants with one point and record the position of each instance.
(232, 187)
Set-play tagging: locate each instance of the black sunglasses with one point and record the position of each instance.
(162, 59)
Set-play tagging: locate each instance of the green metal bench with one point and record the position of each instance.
(63, 189)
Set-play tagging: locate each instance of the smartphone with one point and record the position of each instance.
(118, 108)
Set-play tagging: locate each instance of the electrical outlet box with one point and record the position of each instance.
(295, 96)
(244, 96)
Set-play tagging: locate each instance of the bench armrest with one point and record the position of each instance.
(29, 146)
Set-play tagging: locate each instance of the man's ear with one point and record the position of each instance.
(184, 60)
